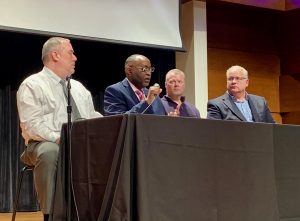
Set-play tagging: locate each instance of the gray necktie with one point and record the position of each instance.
(75, 112)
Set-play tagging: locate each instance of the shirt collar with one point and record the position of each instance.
(134, 88)
(52, 75)
(235, 100)
(182, 99)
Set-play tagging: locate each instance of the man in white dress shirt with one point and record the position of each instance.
(42, 110)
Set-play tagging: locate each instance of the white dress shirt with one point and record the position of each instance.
(42, 105)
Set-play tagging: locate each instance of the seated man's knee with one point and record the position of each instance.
(48, 152)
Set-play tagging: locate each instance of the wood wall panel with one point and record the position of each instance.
(292, 4)
(277, 117)
(239, 27)
(289, 94)
(290, 66)
(282, 5)
(263, 69)
(290, 63)
(274, 4)
(290, 47)
(289, 31)
(291, 118)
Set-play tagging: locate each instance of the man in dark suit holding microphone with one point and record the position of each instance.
(131, 94)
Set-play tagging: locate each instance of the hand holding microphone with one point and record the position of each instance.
(152, 93)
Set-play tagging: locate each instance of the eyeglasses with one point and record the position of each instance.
(230, 79)
(146, 69)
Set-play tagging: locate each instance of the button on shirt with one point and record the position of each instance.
(42, 105)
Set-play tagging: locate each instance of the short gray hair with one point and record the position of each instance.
(174, 71)
(239, 69)
(50, 45)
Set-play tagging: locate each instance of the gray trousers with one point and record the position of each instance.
(44, 156)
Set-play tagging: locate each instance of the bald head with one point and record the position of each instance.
(138, 70)
(135, 58)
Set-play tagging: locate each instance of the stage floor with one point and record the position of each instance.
(22, 216)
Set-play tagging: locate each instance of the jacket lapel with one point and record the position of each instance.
(231, 105)
(130, 92)
(254, 109)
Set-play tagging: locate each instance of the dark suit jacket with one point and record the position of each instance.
(224, 108)
(119, 98)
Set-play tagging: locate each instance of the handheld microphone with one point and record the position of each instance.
(155, 95)
(155, 85)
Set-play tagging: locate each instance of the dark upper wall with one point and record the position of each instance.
(282, 5)
(290, 67)
(240, 27)
(290, 47)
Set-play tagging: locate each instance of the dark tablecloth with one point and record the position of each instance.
(152, 168)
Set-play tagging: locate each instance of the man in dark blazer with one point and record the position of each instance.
(131, 94)
(236, 103)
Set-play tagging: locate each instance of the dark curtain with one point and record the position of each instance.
(11, 146)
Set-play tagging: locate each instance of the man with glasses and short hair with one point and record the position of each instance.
(131, 94)
(174, 101)
(236, 103)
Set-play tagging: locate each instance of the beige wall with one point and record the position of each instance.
(194, 61)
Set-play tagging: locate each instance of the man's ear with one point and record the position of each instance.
(128, 71)
(247, 82)
(55, 55)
